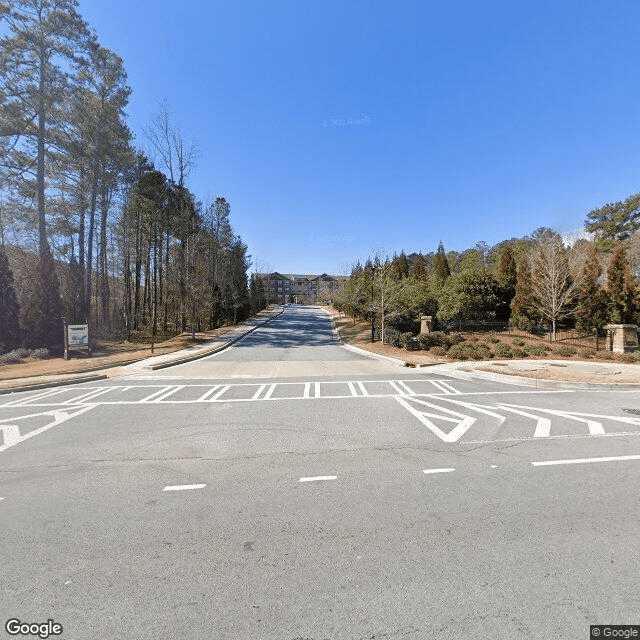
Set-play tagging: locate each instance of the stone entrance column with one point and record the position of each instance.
(623, 337)
(426, 324)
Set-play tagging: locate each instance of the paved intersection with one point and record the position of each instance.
(289, 488)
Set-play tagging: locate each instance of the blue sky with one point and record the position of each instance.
(336, 128)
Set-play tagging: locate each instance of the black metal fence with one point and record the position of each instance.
(563, 335)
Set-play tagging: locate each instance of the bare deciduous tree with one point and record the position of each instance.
(553, 283)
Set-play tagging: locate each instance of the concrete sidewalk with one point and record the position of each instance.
(151, 363)
(573, 374)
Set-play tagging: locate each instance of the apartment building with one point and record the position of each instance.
(282, 288)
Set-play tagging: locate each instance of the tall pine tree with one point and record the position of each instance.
(9, 309)
(591, 312)
(621, 288)
(522, 304)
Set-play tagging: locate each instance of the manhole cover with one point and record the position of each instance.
(636, 411)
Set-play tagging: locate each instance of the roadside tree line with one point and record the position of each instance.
(116, 239)
(531, 281)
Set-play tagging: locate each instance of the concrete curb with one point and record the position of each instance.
(370, 354)
(209, 352)
(77, 378)
(52, 383)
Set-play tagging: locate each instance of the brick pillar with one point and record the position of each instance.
(426, 324)
(624, 337)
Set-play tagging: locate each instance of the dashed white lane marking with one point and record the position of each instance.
(444, 470)
(184, 487)
(317, 478)
(547, 463)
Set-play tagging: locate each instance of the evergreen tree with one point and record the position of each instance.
(9, 308)
(38, 58)
(507, 277)
(441, 270)
(620, 288)
(401, 266)
(591, 312)
(419, 267)
(614, 221)
(522, 304)
(43, 320)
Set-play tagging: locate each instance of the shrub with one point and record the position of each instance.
(630, 358)
(536, 349)
(40, 354)
(482, 348)
(459, 352)
(491, 339)
(518, 353)
(412, 344)
(22, 353)
(518, 342)
(587, 353)
(502, 351)
(12, 357)
(566, 351)
(438, 351)
(404, 338)
(454, 338)
(423, 341)
(605, 355)
(435, 339)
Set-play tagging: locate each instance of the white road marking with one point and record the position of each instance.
(463, 421)
(397, 388)
(37, 396)
(405, 388)
(261, 388)
(307, 387)
(59, 418)
(543, 425)
(317, 385)
(218, 393)
(94, 393)
(352, 389)
(444, 470)
(595, 427)
(547, 463)
(155, 394)
(205, 396)
(10, 433)
(446, 385)
(365, 393)
(171, 391)
(270, 390)
(317, 478)
(184, 487)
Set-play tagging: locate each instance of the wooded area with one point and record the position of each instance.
(116, 238)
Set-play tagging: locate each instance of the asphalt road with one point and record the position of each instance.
(288, 488)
